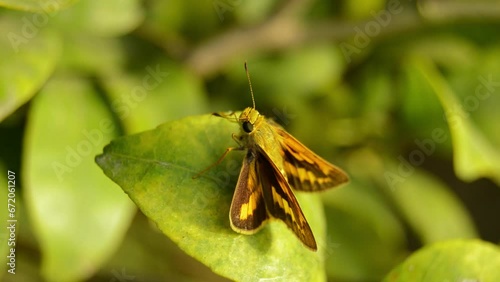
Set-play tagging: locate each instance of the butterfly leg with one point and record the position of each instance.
(218, 161)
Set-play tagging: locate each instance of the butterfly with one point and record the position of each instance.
(275, 161)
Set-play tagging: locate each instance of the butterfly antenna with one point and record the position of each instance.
(250, 83)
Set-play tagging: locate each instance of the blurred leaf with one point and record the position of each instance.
(484, 109)
(367, 111)
(79, 217)
(100, 18)
(248, 12)
(174, 19)
(156, 168)
(367, 10)
(365, 238)
(420, 107)
(428, 206)
(452, 52)
(457, 260)
(92, 54)
(162, 92)
(38, 6)
(474, 156)
(27, 62)
(299, 72)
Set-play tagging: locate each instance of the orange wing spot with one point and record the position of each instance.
(289, 211)
(248, 208)
(302, 174)
(323, 181)
(253, 202)
(277, 198)
(244, 212)
(283, 203)
(310, 175)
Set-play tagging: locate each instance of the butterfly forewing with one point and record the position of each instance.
(280, 201)
(305, 170)
(248, 211)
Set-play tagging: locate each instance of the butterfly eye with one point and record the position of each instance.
(247, 126)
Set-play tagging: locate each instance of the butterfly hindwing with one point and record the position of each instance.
(248, 211)
(281, 202)
(305, 170)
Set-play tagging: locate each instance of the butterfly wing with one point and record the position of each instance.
(280, 201)
(248, 210)
(305, 170)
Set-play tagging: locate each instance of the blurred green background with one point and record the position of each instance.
(403, 95)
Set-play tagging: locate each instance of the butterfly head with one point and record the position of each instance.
(249, 118)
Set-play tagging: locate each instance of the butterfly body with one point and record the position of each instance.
(262, 134)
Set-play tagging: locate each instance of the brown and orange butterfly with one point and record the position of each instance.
(275, 161)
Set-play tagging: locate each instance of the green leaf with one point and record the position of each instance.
(160, 92)
(38, 6)
(367, 11)
(247, 12)
(155, 168)
(27, 62)
(430, 208)
(421, 110)
(474, 156)
(78, 216)
(93, 17)
(286, 78)
(457, 260)
(365, 238)
(172, 20)
(92, 54)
